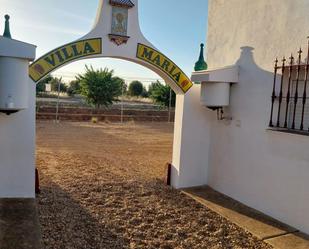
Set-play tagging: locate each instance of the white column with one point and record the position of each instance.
(17, 151)
(191, 140)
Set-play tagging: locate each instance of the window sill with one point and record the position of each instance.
(290, 131)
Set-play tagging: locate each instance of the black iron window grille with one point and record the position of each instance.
(289, 101)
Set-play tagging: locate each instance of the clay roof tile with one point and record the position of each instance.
(122, 3)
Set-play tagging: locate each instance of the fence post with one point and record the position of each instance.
(305, 90)
(169, 106)
(296, 87)
(273, 97)
(57, 107)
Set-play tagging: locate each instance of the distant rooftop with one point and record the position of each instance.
(122, 3)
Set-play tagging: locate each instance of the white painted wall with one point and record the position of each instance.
(17, 131)
(264, 169)
(191, 143)
(17, 149)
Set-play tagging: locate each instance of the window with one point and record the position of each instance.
(290, 96)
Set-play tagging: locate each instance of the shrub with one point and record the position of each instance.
(161, 94)
(136, 88)
(100, 87)
(74, 88)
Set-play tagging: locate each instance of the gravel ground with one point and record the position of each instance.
(101, 188)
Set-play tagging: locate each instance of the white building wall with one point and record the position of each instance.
(267, 170)
(191, 143)
(264, 169)
(17, 149)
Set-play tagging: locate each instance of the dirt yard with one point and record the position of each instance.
(101, 188)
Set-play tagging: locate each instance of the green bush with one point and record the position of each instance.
(55, 84)
(123, 85)
(40, 86)
(74, 88)
(100, 87)
(136, 88)
(161, 94)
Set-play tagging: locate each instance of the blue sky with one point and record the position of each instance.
(176, 27)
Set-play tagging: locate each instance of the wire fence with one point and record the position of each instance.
(127, 80)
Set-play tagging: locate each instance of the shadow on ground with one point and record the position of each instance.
(71, 225)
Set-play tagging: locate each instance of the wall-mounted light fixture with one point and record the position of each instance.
(215, 85)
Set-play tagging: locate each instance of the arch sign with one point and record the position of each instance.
(116, 34)
(60, 56)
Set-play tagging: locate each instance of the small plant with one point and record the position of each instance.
(94, 120)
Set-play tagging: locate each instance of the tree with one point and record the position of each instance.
(55, 84)
(161, 94)
(100, 87)
(136, 88)
(123, 88)
(152, 86)
(40, 86)
(145, 93)
(74, 88)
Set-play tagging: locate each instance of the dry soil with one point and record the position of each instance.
(101, 187)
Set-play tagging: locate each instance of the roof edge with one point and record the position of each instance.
(122, 3)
